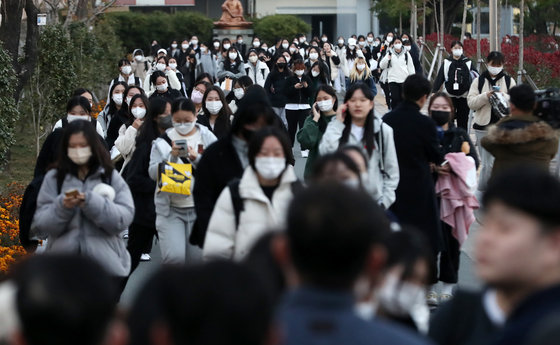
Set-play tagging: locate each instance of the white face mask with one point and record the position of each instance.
(362, 43)
(138, 112)
(287, 59)
(240, 41)
(173, 66)
(214, 107)
(161, 67)
(314, 73)
(265, 48)
(457, 52)
(117, 98)
(285, 45)
(79, 155)
(126, 70)
(253, 58)
(256, 44)
(406, 48)
(292, 50)
(313, 56)
(194, 42)
(183, 128)
(232, 56)
(227, 46)
(216, 45)
(325, 105)
(360, 67)
(184, 46)
(376, 44)
(270, 168)
(398, 46)
(174, 45)
(299, 72)
(239, 93)
(340, 41)
(162, 87)
(71, 117)
(400, 298)
(128, 99)
(139, 58)
(370, 39)
(351, 47)
(495, 70)
(389, 39)
(203, 50)
(324, 39)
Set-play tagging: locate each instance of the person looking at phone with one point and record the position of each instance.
(175, 214)
(309, 137)
(357, 124)
(84, 204)
(297, 90)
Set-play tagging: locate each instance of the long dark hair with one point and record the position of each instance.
(323, 79)
(149, 130)
(144, 99)
(110, 103)
(99, 158)
(78, 100)
(369, 135)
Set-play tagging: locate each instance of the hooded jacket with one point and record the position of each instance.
(521, 139)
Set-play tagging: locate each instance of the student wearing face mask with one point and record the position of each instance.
(310, 135)
(232, 67)
(298, 91)
(184, 51)
(332, 61)
(239, 88)
(356, 124)
(115, 110)
(336, 167)
(455, 76)
(360, 73)
(399, 66)
(65, 120)
(295, 53)
(240, 45)
(173, 50)
(125, 75)
(175, 214)
(206, 62)
(478, 100)
(226, 44)
(162, 65)
(319, 76)
(140, 65)
(84, 204)
(362, 45)
(256, 69)
(160, 83)
(197, 95)
(216, 113)
(216, 48)
(314, 56)
(258, 202)
(340, 81)
(194, 44)
(126, 140)
(256, 44)
(274, 87)
(143, 227)
(414, 51)
(351, 55)
(173, 67)
(387, 43)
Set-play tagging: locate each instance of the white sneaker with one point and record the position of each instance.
(145, 257)
(305, 154)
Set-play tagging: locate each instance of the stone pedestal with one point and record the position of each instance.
(231, 33)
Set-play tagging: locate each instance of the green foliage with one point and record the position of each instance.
(8, 110)
(270, 28)
(138, 30)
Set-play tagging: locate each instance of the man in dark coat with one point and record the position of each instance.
(417, 146)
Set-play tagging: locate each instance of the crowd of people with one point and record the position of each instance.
(196, 148)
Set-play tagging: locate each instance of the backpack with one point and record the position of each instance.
(29, 206)
(405, 59)
(458, 75)
(237, 200)
(481, 80)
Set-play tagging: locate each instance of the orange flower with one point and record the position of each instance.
(10, 248)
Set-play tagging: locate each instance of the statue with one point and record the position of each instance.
(232, 15)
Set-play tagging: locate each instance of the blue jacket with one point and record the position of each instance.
(313, 316)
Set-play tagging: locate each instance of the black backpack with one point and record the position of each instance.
(237, 200)
(29, 206)
(459, 73)
(481, 80)
(136, 79)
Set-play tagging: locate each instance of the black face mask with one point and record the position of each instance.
(441, 117)
(281, 65)
(165, 122)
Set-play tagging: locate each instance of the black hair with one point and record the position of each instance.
(149, 131)
(331, 230)
(406, 247)
(523, 97)
(244, 81)
(64, 300)
(146, 102)
(238, 36)
(192, 303)
(123, 62)
(165, 58)
(415, 87)
(253, 106)
(496, 57)
(330, 91)
(237, 58)
(183, 103)
(110, 103)
(203, 76)
(323, 167)
(454, 43)
(130, 87)
(78, 101)
(275, 71)
(317, 50)
(323, 78)
(260, 136)
(80, 91)
(369, 134)
(222, 124)
(99, 154)
(359, 150)
(157, 74)
(529, 189)
(360, 37)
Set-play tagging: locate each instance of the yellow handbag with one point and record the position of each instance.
(175, 178)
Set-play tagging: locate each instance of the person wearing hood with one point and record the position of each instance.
(227, 158)
(256, 69)
(455, 76)
(399, 66)
(521, 138)
(140, 65)
(175, 213)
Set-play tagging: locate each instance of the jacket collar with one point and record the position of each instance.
(320, 298)
(520, 130)
(249, 186)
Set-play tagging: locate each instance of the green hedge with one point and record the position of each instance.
(271, 28)
(8, 110)
(138, 30)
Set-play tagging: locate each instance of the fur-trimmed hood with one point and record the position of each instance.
(520, 131)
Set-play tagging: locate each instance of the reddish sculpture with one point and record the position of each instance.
(232, 16)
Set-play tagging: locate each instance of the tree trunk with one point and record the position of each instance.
(400, 23)
(424, 20)
(27, 67)
(10, 29)
(521, 43)
(478, 53)
(464, 23)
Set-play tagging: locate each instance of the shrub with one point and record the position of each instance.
(271, 28)
(10, 248)
(8, 110)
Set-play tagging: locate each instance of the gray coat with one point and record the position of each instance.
(92, 230)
